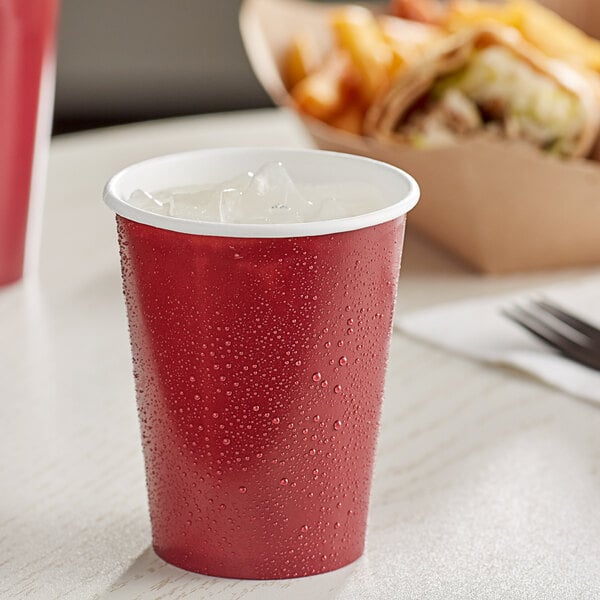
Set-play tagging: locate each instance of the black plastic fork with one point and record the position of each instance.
(573, 337)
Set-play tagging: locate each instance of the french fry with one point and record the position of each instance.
(470, 13)
(408, 39)
(540, 26)
(327, 91)
(302, 59)
(358, 33)
(350, 119)
(555, 36)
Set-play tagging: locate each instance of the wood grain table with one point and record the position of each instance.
(487, 484)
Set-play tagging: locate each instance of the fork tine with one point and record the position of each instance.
(525, 325)
(541, 325)
(564, 345)
(571, 320)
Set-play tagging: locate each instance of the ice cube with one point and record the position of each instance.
(267, 196)
(228, 194)
(149, 202)
(344, 199)
(331, 208)
(190, 202)
(270, 196)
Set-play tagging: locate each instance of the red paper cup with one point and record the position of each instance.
(27, 60)
(259, 356)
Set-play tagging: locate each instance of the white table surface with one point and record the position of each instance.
(487, 484)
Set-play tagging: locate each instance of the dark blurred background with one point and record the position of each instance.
(130, 60)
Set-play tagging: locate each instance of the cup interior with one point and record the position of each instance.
(215, 166)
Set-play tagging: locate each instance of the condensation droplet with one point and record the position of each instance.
(316, 418)
(343, 361)
(337, 389)
(337, 425)
(284, 481)
(226, 441)
(243, 489)
(316, 377)
(276, 421)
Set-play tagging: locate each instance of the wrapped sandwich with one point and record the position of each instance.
(469, 77)
(490, 81)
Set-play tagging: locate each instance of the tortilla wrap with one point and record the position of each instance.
(386, 116)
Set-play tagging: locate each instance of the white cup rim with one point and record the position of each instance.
(392, 179)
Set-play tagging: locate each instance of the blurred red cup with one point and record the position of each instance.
(259, 357)
(27, 65)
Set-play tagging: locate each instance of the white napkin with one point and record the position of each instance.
(477, 329)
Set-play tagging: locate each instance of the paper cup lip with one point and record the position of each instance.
(389, 178)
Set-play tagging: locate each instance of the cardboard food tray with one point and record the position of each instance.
(502, 207)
